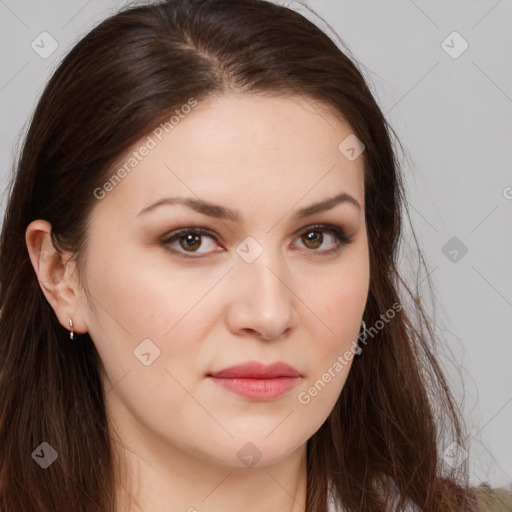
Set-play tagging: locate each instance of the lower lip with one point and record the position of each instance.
(258, 389)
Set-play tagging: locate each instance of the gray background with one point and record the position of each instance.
(453, 115)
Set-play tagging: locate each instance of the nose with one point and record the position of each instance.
(263, 302)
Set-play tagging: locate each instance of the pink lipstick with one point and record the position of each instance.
(257, 381)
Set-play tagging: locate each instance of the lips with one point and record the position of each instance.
(256, 370)
(257, 381)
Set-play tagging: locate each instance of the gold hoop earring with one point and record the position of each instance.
(71, 333)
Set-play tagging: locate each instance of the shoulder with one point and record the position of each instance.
(493, 499)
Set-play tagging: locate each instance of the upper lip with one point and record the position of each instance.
(256, 370)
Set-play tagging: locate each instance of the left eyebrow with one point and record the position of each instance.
(224, 213)
(327, 204)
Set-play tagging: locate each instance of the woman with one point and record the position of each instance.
(200, 302)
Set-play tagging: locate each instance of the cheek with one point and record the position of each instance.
(175, 309)
(147, 296)
(148, 330)
(333, 341)
(340, 301)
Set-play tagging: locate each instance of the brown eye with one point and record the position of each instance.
(191, 242)
(187, 242)
(314, 237)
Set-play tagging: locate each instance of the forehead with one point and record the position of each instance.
(243, 148)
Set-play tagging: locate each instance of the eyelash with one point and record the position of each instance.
(338, 233)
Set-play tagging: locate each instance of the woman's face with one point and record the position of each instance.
(247, 280)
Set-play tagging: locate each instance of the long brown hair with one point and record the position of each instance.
(119, 82)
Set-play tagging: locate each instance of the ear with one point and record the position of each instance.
(56, 275)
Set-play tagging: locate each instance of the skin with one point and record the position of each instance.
(177, 433)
